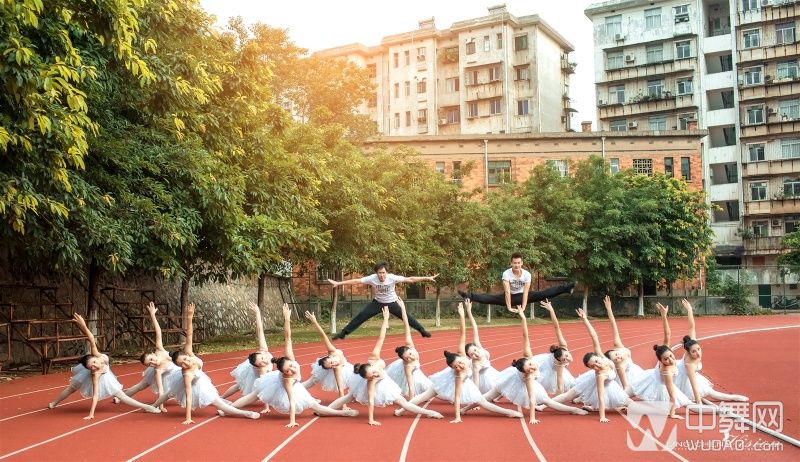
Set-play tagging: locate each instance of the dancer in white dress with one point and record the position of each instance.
(627, 370)
(518, 383)
(689, 378)
(553, 373)
(453, 383)
(370, 385)
(282, 388)
(331, 371)
(483, 373)
(596, 388)
(158, 362)
(92, 377)
(657, 384)
(257, 364)
(195, 390)
(406, 371)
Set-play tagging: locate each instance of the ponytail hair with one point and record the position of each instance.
(660, 350)
(450, 357)
(688, 342)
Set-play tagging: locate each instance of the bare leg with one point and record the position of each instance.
(567, 396)
(245, 400)
(228, 409)
(125, 399)
(61, 397)
(422, 397)
(490, 395)
(408, 406)
(341, 401)
(233, 389)
(136, 388)
(719, 396)
(328, 411)
(563, 407)
(495, 408)
(310, 382)
(161, 399)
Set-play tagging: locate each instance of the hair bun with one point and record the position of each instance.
(655, 347)
(553, 348)
(356, 366)
(513, 363)
(399, 350)
(687, 339)
(273, 360)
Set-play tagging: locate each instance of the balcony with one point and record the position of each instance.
(648, 70)
(722, 154)
(718, 42)
(720, 117)
(718, 80)
(483, 91)
(770, 168)
(772, 207)
(763, 245)
(726, 233)
(776, 127)
(568, 67)
(771, 89)
(767, 53)
(666, 103)
(723, 192)
(778, 10)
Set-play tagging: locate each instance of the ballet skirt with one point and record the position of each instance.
(396, 371)
(326, 377)
(270, 391)
(245, 375)
(649, 386)
(107, 383)
(511, 384)
(444, 384)
(586, 386)
(203, 391)
(547, 373)
(149, 375)
(683, 383)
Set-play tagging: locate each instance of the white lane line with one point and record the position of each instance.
(4, 456)
(195, 427)
(527, 432)
(287, 440)
(648, 435)
(407, 441)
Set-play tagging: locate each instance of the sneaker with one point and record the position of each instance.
(464, 294)
(339, 336)
(425, 333)
(571, 286)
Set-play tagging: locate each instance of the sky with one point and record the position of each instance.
(321, 24)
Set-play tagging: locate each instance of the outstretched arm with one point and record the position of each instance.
(476, 338)
(462, 340)
(415, 279)
(151, 310)
(526, 341)
(376, 352)
(690, 316)
(262, 340)
(525, 291)
(311, 317)
(89, 336)
(601, 397)
(614, 331)
(665, 322)
(187, 347)
(595, 341)
(346, 282)
(406, 327)
(287, 331)
(507, 292)
(562, 342)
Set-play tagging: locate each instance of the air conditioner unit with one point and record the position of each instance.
(601, 103)
(681, 18)
(771, 111)
(630, 58)
(766, 2)
(776, 222)
(633, 124)
(442, 121)
(619, 37)
(692, 117)
(768, 78)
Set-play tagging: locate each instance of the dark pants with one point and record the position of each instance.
(516, 299)
(372, 309)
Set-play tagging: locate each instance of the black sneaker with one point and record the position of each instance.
(339, 336)
(425, 333)
(464, 294)
(571, 286)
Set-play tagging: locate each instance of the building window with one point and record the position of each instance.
(685, 86)
(791, 187)
(521, 42)
(658, 123)
(681, 13)
(440, 167)
(749, 5)
(669, 167)
(613, 25)
(522, 107)
(499, 41)
(471, 77)
(499, 171)
(755, 115)
(726, 63)
(643, 166)
(495, 73)
(790, 149)
(558, 165)
(616, 94)
(614, 165)
(422, 86)
(407, 57)
(408, 118)
(407, 88)
(619, 125)
(758, 191)
(486, 43)
(789, 110)
(396, 120)
(396, 90)
(472, 109)
(761, 228)
(421, 52)
(683, 121)
(752, 38)
(756, 152)
(495, 106)
(422, 116)
(323, 274)
(784, 33)
(752, 76)
(791, 224)
(652, 18)
(613, 60)
(787, 70)
(456, 175)
(683, 50)
(521, 72)
(655, 53)
(470, 48)
(453, 115)
(686, 168)
(451, 85)
(396, 60)
(655, 88)
(372, 71)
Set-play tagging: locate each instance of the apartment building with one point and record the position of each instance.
(495, 74)
(732, 65)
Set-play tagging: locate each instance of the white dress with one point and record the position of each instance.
(586, 386)
(270, 391)
(511, 383)
(633, 373)
(682, 381)
(650, 386)
(173, 382)
(386, 391)
(397, 372)
(326, 377)
(487, 376)
(149, 376)
(107, 383)
(203, 391)
(444, 384)
(246, 375)
(548, 371)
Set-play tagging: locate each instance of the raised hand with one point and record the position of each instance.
(254, 308)
(79, 319)
(662, 309)
(581, 314)
(460, 308)
(468, 304)
(607, 302)
(686, 305)
(310, 316)
(151, 308)
(546, 305)
(190, 308)
(287, 313)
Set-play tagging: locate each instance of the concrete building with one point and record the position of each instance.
(494, 74)
(732, 66)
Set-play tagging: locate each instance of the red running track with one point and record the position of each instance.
(759, 364)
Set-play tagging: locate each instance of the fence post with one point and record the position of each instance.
(488, 314)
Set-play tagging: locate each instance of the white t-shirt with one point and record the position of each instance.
(517, 285)
(384, 291)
